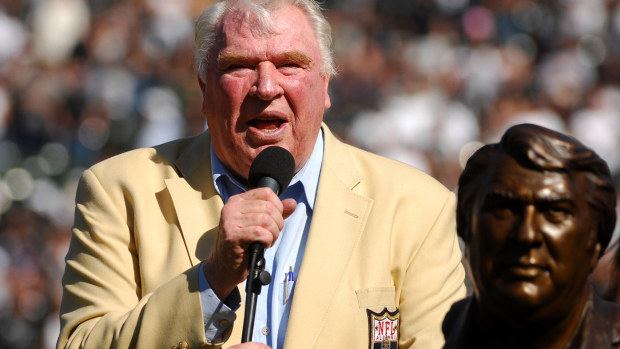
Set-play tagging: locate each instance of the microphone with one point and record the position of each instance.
(273, 168)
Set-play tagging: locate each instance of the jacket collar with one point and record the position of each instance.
(338, 221)
(195, 200)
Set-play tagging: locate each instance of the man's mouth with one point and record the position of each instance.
(524, 270)
(266, 125)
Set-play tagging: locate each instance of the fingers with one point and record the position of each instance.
(253, 216)
(289, 206)
(256, 215)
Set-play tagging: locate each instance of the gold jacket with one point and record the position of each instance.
(382, 237)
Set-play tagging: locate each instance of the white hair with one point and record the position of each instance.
(259, 13)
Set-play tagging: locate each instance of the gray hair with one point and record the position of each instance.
(259, 12)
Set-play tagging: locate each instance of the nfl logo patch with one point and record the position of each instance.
(384, 329)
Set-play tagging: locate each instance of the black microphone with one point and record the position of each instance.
(273, 168)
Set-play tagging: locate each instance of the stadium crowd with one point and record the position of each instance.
(425, 82)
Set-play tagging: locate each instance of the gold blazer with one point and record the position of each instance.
(382, 239)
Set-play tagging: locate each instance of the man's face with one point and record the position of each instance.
(533, 241)
(264, 89)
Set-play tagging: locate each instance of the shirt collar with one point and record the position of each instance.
(308, 176)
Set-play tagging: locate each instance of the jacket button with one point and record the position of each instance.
(183, 345)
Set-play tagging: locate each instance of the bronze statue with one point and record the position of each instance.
(535, 211)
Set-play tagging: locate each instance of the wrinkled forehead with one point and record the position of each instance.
(257, 24)
(271, 33)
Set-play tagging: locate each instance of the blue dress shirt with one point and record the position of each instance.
(282, 260)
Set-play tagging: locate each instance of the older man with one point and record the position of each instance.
(362, 250)
(535, 212)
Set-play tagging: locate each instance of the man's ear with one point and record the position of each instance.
(201, 84)
(328, 102)
(202, 89)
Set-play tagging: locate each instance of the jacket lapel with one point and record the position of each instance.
(196, 202)
(338, 221)
(198, 207)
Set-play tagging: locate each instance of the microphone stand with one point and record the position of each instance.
(257, 278)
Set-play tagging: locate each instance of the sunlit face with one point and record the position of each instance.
(533, 243)
(264, 89)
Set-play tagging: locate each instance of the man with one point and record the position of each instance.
(535, 212)
(362, 250)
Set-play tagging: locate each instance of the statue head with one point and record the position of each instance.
(535, 212)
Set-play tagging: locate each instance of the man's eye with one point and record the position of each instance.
(502, 208)
(235, 67)
(556, 214)
(289, 67)
(502, 212)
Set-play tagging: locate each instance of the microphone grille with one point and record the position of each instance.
(273, 162)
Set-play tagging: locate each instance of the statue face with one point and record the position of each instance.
(533, 242)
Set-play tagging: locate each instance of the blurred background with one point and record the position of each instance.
(425, 82)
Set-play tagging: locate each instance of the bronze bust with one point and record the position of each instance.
(535, 211)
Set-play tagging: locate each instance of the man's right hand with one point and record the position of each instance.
(254, 216)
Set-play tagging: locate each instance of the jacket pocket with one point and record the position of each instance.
(376, 297)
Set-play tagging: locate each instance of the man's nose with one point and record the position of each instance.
(527, 231)
(267, 84)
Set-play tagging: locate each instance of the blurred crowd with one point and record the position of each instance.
(425, 82)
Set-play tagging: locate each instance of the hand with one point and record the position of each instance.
(256, 215)
(250, 345)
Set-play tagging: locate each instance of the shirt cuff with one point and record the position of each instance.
(217, 315)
